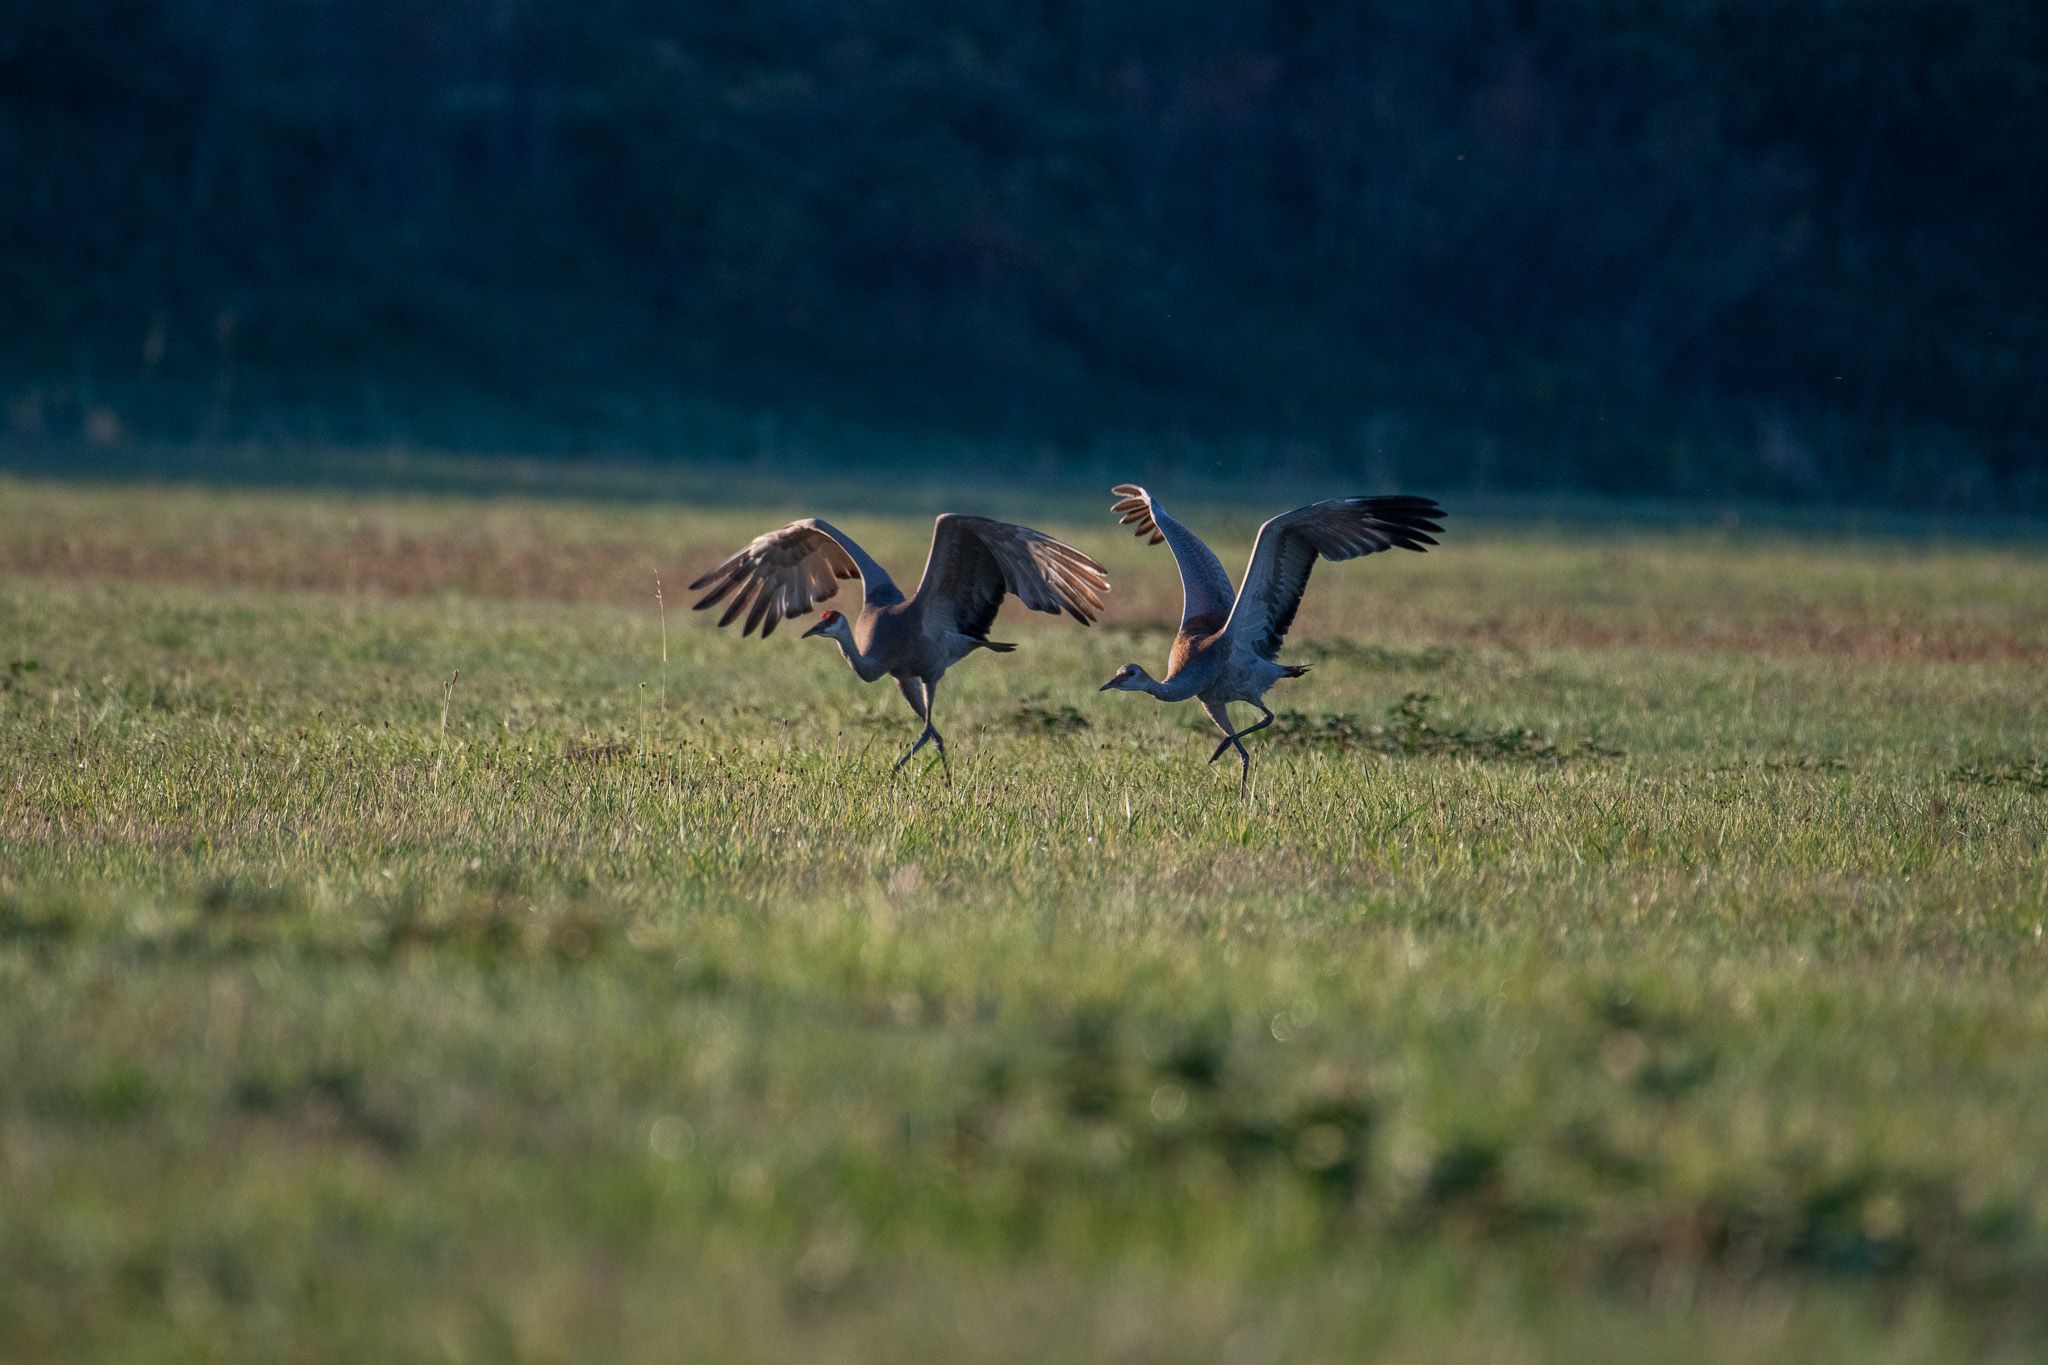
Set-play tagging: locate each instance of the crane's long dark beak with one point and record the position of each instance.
(818, 629)
(1111, 683)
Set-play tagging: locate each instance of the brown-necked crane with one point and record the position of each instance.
(1225, 648)
(973, 562)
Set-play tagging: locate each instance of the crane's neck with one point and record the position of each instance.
(867, 669)
(1177, 688)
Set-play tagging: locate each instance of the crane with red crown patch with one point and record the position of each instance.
(973, 565)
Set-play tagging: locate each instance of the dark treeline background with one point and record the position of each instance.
(1736, 247)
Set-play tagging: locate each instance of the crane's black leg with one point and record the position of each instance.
(1233, 739)
(1220, 713)
(913, 692)
(1230, 737)
(930, 690)
(1254, 729)
(924, 738)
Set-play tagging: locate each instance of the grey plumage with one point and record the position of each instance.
(974, 563)
(1228, 643)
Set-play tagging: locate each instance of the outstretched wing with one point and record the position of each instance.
(975, 560)
(1205, 588)
(1289, 545)
(784, 573)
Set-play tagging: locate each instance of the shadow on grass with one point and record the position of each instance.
(2030, 773)
(1410, 729)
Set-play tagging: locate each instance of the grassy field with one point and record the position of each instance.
(1632, 949)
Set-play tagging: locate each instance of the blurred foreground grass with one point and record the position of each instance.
(1632, 948)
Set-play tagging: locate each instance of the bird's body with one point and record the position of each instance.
(896, 641)
(1226, 647)
(974, 563)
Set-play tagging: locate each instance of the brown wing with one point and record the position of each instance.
(1289, 545)
(1205, 589)
(975, 560)
(786, 572)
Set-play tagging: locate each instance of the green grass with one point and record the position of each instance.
(1632, 948)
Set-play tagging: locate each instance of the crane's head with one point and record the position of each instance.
(830, 623)
(1129, 678)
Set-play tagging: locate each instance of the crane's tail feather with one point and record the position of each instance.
(1294, 670)
(997, 645)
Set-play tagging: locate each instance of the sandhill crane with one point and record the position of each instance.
(915, 639)
(1225, 647)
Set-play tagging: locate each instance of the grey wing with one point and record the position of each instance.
(976, 560)
(1205, 588)
(786, 572)
(1289, 545)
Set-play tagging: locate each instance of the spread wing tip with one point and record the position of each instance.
(1133, 508)
(780, 575)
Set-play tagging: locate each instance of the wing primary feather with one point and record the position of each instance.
(739, 601)
(782, 573)
(763, 603)
(715, 572)
(717, 594)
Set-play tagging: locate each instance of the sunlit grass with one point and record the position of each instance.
(1632, 946)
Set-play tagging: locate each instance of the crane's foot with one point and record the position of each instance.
(1244, 772)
